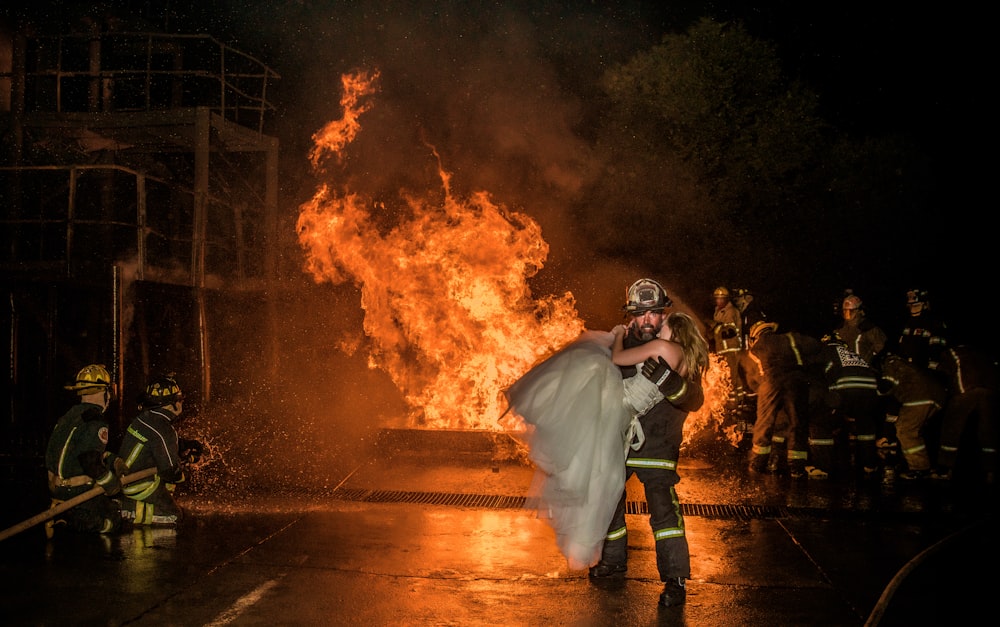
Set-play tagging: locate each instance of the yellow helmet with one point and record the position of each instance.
(91, 379)
(759, 328)
(721, 292)
(162, 391)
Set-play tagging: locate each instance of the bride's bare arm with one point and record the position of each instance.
(657, 347)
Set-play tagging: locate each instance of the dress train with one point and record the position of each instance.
(573, 402)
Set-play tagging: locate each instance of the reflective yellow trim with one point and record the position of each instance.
(617, 534)
(663, 534)
(142, 490)
(645, 462)
(679, 393)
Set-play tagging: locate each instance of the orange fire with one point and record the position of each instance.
(448, 312)
(337, 134)
(712, 416)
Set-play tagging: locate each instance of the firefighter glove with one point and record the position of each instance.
(190, 450)
(684, 395)
(110, 483)
(658, 371)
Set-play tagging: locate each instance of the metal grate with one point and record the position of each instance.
(493, 501)
(720, 511)
(487, 501)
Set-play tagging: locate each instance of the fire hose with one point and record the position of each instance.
(69, 504)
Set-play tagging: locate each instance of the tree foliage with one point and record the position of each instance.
(710, 147)
(716, 97)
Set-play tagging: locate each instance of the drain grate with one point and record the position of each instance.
(493, 501)
(721, 512)
(487, 501)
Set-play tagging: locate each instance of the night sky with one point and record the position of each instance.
(501, 88)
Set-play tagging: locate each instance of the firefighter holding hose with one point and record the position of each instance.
(77, 460)
(151, 441)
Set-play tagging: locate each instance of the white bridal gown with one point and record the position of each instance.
(579, 425)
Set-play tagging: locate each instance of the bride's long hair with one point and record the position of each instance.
(685, 332)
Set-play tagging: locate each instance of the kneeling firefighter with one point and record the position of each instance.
(151, 441)
(77, 460)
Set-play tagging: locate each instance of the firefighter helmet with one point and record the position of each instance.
(851, 302)
(721, 292)
(832, 340)
(760, 328)
(646, 295)
(915, 296)
(162, 391)
(91, 379)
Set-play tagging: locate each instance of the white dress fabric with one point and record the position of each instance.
(579, 423)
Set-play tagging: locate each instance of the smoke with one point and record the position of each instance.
(496, 100)
(503, 93)
(500, 97)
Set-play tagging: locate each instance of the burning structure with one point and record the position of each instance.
(139, 191)
(142, 230)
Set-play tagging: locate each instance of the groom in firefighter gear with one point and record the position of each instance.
(655, 462)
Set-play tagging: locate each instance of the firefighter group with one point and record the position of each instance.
(857, 402)
(94, 489)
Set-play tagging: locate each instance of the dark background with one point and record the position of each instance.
(457, 72)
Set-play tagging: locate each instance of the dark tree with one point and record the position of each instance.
(720, 169)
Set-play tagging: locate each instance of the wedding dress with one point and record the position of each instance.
(580, 428)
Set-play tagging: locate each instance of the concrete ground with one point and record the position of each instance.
(432, 531)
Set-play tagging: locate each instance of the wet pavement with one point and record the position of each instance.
(432, 531)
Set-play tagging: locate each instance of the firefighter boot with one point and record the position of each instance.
(777, 464)
(674, 592)
(797, 468)
(603, 570)
(758, 463)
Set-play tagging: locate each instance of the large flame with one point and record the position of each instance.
(447, 308)
(448, 311)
